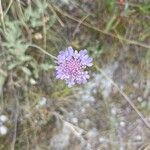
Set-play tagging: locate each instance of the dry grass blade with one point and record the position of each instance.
(53, 11)
(44, 51)
(2, 16)
(75, 129)
(76, 29)
(7, 9)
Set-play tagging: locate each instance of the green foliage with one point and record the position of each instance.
(16, 47)
(15, 42)
(33, 16)
(145, 8)
(110, 5)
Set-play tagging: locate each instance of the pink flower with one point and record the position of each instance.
(71, 66)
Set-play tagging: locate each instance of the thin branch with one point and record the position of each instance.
(78, 25)
(41, 49)
(53, 11)
(76, 130)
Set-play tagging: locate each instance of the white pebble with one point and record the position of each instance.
(122, 123)
(136, 85)
(3, 118)
(102, 140)
(32, 81)
(122, 148)
(42, 101)
(138, 137)
(3, 130)
(140, 99)
(38, 36)
(113, 111)
(83, 110)
(74, 120)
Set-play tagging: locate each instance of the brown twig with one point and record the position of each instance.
(42, 50)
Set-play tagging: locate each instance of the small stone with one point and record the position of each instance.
(74, 120)
(3, 118)
(113, 111)
(140, 99)
(32, 81)
(138, 137)
(102, 140)
(122, 123)
(136, 85)
(83, 110)
(42, 101)
(3, 130)
(38, 36)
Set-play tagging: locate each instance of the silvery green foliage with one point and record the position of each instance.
(16, 44)
(15, 47)
(34, 15)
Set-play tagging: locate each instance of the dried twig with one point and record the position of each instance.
(53, 11)
(76, 130)
(41, 49)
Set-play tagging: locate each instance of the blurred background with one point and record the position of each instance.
(38, 112)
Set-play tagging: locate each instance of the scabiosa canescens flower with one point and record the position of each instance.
(71, 66)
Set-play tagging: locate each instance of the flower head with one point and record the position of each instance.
(71, 66)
